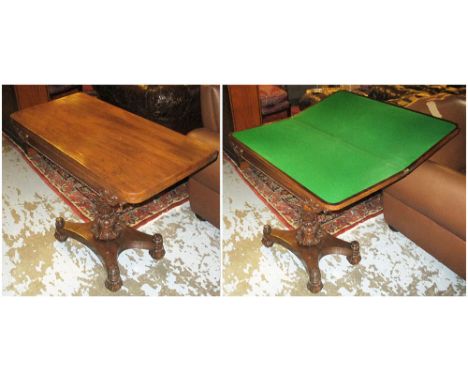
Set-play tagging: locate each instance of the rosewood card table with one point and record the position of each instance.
(332, 155)
(126, 159)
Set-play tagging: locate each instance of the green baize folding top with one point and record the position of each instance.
(345, 143)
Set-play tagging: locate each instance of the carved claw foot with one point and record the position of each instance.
(59, 234)
(355, 257)
(266, 239)
(315, 281)
(113, 281)
(158, 251)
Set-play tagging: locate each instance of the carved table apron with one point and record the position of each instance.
(342, 132)
(126, 159)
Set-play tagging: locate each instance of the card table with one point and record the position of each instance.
(125, 158)
(334, 154)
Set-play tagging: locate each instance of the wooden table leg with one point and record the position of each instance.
(310, 243)
(107, 236)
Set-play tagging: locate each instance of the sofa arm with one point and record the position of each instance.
(209, 176)
(437, 192)
(209, 95)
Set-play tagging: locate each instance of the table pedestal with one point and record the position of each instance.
(107, 236)
(310, 243)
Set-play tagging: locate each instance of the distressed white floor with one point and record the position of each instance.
(391, 264)
(34, 263)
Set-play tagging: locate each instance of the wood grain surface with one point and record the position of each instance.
(245, 106)
(110, 148)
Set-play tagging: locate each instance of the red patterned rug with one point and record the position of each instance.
(82, 199)
(287, 207)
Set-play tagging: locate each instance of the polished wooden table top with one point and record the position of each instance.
(110, 148)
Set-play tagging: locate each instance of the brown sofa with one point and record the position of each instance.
(204, 185)
(428, 206)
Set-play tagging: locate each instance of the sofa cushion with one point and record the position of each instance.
(282, 106)
(271, 95)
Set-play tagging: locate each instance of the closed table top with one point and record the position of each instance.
(108, 147)
(346, 144)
